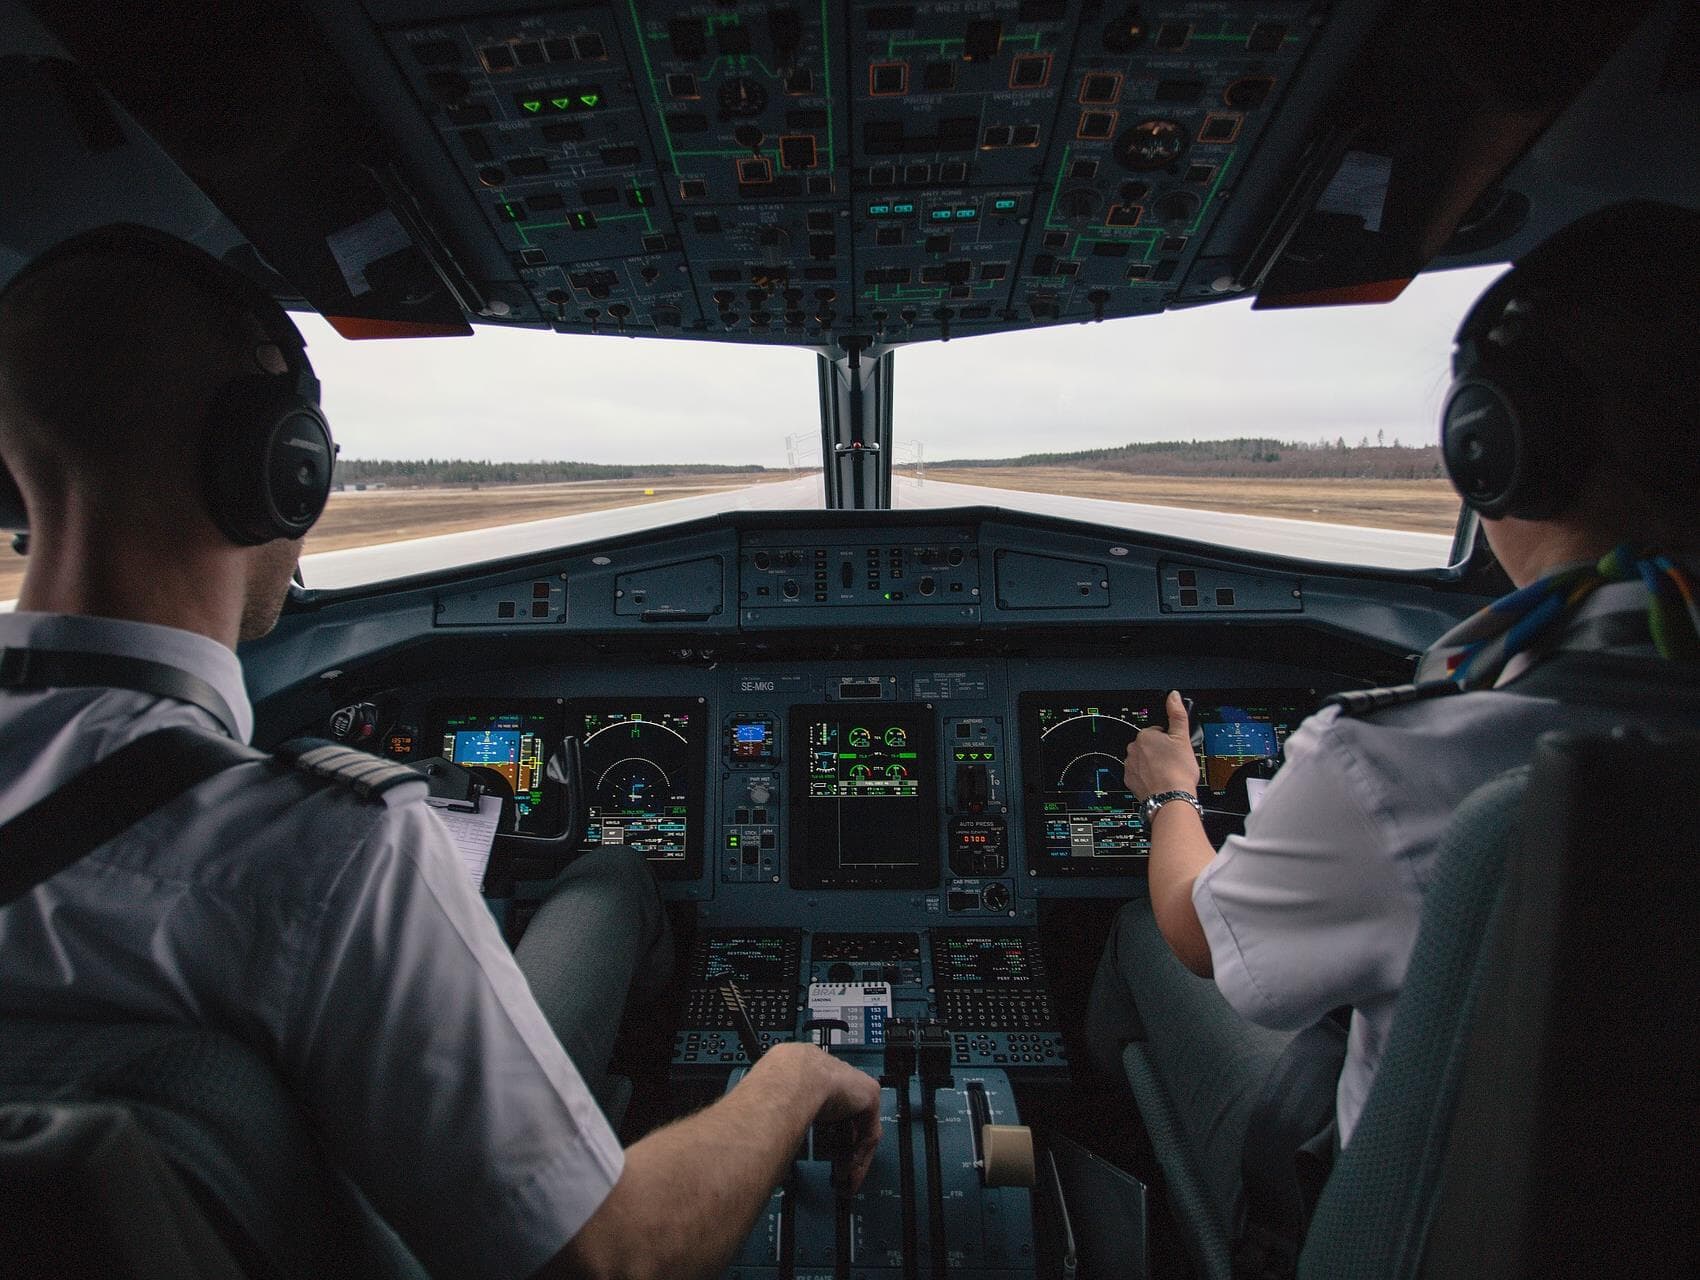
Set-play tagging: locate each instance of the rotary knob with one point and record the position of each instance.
(760, 793)
(996, 898)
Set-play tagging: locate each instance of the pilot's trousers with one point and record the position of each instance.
(1209, 1060)
(598, 943)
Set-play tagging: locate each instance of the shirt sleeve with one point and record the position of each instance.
(1309, 910)
(434, 1078)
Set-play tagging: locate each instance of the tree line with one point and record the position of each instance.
(433, 472)
(1245, 457)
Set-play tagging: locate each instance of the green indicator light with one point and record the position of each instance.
(888, 595)
(560, 104)
(1003, 206)
(941, 215)
(590, 99)
(967, 213)
(903, 208)
(532, 104)
(731, 842)
(878, 210)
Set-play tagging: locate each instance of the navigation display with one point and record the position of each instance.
(1081, 818)
(865, 807)
(514, 743)
(642, 766)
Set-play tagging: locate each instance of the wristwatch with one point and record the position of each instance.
(1148, 810)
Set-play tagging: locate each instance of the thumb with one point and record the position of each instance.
(1178, 725)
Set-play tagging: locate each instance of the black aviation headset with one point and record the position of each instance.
(1514, 430)
(266, 447)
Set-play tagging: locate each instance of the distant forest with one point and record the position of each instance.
(432, 472)
(1275, 459)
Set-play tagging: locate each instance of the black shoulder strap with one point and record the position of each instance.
(1361, 702)
(107, 799)
(23, 669)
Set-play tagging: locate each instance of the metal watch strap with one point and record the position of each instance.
(1148, 810)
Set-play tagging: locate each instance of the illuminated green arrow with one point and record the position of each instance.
(534, 105)
(590, 99)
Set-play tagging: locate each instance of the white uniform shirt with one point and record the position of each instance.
(1317, 905)
(339, 937)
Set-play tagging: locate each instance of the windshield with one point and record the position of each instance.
(1307, 433)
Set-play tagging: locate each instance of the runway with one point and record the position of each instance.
(1312, 540)
(1306, 539)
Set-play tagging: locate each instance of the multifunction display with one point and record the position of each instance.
(1082, 819)
(758, 959)
(642, 766)
(512, 743)
(973, 959)
(866, 808)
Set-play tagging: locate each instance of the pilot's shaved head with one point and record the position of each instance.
(107, 354)
(109, 365)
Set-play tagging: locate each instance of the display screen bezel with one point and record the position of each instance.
(696, 788)
(547, 821)
(914, 819)
(1206, 702)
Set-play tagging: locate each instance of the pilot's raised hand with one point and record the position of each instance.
(1161, 760)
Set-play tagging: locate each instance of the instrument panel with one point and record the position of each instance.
(899, 792)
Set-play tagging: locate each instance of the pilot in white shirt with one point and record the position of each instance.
(342, 934)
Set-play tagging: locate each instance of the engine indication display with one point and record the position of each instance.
(861, 760)
(512, 743)
(642, 769)
(867, 809)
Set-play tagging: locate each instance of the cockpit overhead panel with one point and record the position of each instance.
(785, 172)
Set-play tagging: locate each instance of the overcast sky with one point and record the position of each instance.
(1213, 372)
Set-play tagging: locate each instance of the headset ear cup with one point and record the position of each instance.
(268, 460)
(1509, 437)
(1480, 443)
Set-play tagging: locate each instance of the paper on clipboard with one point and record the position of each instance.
(474, 833)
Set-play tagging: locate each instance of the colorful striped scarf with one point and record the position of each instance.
(1535, 618)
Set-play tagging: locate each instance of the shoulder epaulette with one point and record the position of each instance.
(366, 774)
(1361, 702)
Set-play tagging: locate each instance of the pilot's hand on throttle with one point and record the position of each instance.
(853, 1097)
(1162, 760)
